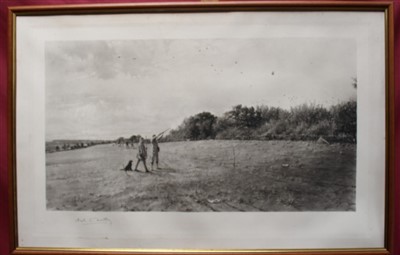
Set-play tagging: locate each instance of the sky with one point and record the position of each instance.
(109, 89)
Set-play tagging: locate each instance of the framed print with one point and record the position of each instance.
(232, 127)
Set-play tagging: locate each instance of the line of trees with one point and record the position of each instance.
(128, 141)
(66, 145)
(304, 122)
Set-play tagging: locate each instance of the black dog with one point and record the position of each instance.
(128, 166)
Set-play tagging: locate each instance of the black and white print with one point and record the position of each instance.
(198, 125)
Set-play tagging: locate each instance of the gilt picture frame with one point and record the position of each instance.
(94, 83)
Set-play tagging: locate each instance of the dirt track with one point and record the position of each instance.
(206, 176)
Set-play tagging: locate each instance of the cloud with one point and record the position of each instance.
(76, 58)
(105, 59)
(117, 88)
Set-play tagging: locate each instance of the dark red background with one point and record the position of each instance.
(4, 153)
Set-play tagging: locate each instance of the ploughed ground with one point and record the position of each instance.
(213, 175)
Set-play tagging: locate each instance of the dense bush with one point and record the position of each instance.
(244, 117)
(308, 114)
(345, 119)
(198, 127)
(303, 122)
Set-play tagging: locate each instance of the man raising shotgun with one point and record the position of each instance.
(156, 148)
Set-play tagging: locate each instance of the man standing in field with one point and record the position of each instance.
(156, 150)
(142, 154)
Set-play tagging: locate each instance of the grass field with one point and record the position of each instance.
(213, 175)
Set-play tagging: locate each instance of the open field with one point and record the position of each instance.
(213, 175)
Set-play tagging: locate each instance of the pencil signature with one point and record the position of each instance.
(93, 220)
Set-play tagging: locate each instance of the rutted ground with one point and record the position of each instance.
(209, 175)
